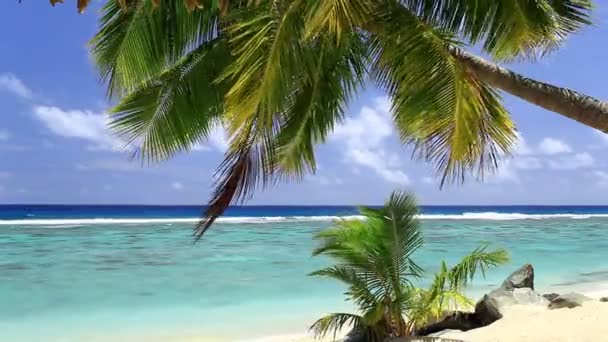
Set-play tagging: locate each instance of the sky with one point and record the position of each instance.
(55, 147)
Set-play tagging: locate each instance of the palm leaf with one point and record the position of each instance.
(335, 322)
(190, 5)
(506, 28)
(164, 117)
(455, 121)
(134, 46)
(318, 101)
(247, 164)
(480, 259)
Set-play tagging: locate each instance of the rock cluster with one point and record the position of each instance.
(518, 288)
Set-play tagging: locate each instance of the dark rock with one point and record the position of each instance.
(560, 303)
(455, 321)
(516, 289)
(569, 300)
(522, 278)
(356, 335)
(604, 299)
(550, 296)
(422, 339)
(487, 310)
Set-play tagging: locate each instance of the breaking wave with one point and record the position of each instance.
(489, 216)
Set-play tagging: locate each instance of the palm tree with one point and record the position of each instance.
(277, 75)
(373, 258)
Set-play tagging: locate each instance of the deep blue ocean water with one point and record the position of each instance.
(14, 212)
(108, 273)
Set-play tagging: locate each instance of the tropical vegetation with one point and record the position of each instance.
(373, 258)
(278, 74)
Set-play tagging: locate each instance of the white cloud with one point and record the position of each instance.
(427, 180)
(521, 147)
(602, 177)
(215, 141)
(177, 186)
(363, 138)
(527, 163)
(572, 162)
(85, 125)
(327, 180)
(10, 83)
(110, 165)
(553, 146)
(4, 135)
(506, 172)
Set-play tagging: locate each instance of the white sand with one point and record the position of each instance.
(588, 323)
(288, 338)
(530, 324)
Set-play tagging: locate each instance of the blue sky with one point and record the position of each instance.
(54, 147)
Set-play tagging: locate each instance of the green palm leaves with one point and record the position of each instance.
(278, 74)
(373, 258)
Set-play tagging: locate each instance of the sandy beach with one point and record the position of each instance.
(527, 323)
(524, 323)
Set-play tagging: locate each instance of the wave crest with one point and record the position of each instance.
(488, 216)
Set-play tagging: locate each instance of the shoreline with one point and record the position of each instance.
(597, 292)
(291, 332)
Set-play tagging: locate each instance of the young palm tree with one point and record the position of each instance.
(277, 75)
(373, 258)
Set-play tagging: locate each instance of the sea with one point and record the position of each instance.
(126, 273)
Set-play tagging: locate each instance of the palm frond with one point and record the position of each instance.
(317, 104)
(480, 259)
(506, 28)
(177, 109)
(268, 58)
(445, 292)
(134, 46)
(455, 121)
(363, 290)
(338, 17)
(335, 322)
(400, 235)
(247, 164)
(190, 5)
(429, 305)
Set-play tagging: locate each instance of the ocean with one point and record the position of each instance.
(122, 273)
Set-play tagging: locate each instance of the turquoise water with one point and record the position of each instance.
(81, 282)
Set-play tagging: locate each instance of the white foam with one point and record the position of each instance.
(229, 220)
(492, 216)
(510, 216)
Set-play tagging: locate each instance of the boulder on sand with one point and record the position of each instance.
(551, 296)
(522, 278)
(518, 288)
(355, 335)
(568, 300)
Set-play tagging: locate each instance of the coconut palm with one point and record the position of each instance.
(373, 258)
(278, 74)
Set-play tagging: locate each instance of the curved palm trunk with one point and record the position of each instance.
(569, 103)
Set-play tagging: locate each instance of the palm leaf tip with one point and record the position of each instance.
(191, 5)
(232, 176)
